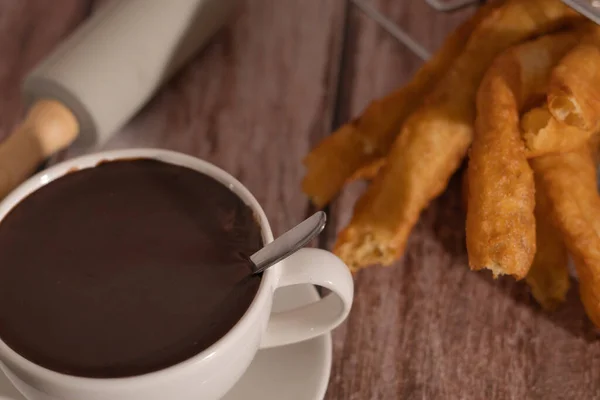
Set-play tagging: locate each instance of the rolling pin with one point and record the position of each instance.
(102, 74)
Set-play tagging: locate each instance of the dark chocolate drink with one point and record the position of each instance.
(124, 269)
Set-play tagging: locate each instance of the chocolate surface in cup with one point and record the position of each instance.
(124, 269)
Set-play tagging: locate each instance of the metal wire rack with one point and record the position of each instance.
(588, 8)
(400, 34)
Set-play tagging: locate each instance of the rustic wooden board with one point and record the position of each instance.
(427, 327)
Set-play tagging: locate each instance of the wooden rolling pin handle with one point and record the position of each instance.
(48, 127)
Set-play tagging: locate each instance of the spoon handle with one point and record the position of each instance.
(289, 242)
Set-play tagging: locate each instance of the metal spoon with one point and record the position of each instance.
(288, 243)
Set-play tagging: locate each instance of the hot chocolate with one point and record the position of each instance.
(124, 269)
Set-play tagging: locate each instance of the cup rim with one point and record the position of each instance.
(57, 171)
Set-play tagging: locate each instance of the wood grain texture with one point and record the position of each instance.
(29, 29)
(427, 327)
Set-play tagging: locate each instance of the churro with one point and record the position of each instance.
(500, 219)
(435, 138)
(544, 134)
(569, 181)
(574, 90)
(548, 276)
(357, 149)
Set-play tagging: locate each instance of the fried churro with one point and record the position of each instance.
(435, 138)
(357, 149)
(572, 114)
(548, 276)
(544, 134)
(574, 90)
(500, 220)
(569, 181)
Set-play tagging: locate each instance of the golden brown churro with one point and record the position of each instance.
(435, 138)
(569, 181)
(500, 219)
(573, 114)
(574, 90)
(544, 134)
(357, 148)
(548, 276)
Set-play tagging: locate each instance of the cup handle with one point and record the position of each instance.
(318, 267)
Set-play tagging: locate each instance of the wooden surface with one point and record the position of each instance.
(278, 78)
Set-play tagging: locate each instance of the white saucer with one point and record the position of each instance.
(295, 372)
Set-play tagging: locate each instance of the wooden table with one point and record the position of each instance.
(271, 85)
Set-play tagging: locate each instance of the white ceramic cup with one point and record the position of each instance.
(211, 373)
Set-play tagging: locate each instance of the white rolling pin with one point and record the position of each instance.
(102, 74)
